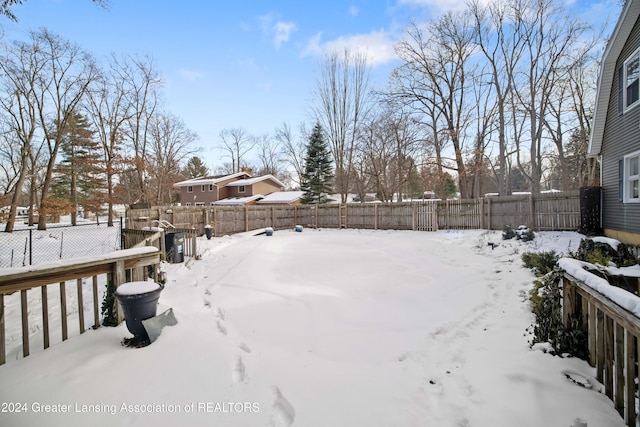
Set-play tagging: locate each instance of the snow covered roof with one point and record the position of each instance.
(284, 197)
(250, 181)
(231, 201)
(210, 180)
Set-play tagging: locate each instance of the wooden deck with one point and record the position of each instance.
(120, 266)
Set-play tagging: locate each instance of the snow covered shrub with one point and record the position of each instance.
(540, 262)
(526, 236)
(598, 252)
(508, 233)
(546, 302)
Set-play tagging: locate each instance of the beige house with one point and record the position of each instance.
(238, 188)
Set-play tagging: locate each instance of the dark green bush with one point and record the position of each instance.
(546, 302)
(110, 317)
(508, 233)
(540, 262)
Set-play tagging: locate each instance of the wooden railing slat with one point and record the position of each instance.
(80, 305)
(63, 310)
(25, 322)
(45, 316)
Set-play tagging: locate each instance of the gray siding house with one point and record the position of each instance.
(615, 134)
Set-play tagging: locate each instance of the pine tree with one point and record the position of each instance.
(318, 173)
(196, 168)
(78, 175)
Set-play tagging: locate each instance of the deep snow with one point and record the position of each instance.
(322, 328)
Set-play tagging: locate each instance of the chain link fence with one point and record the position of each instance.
(30, 246)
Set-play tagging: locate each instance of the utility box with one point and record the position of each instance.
(174, 246)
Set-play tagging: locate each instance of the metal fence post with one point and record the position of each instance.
(31, 246)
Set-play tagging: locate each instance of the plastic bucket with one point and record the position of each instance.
(139, 301)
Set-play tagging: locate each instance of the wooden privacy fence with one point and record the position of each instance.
(118, 267)
(132, 238)
(613, 334)
(554, 211)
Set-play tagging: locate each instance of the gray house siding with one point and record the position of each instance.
(621, 136)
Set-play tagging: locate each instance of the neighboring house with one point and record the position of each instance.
(615, 134)
(282, 198)
(237, 188)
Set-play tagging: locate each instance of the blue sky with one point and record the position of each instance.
(249, 64)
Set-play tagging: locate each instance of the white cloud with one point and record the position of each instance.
(377, 46)
(283, 31)
(192, 75)
(279, 30)
(354, 11)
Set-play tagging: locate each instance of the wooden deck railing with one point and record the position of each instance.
(613, 342)
(120, 266)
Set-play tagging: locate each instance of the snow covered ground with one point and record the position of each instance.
(322, 328)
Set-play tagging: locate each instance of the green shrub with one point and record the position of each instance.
(540, 262)
(110, 317)
(527, 236)
(546, 304)
(508, 233)
(603, 254)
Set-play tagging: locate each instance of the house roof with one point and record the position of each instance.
(284, 197)
(206, 180)
(249, 181)
(233, 201)
(620, 34)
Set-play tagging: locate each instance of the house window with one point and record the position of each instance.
(188, 204)
(241, 189)
(203, 188)
(190, 189)
(210, 187)
(631, 80)
(631, 178)
(199, 203)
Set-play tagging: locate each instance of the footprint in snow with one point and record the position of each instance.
(237, 370)
(221, 328)
(244, 347)
(219, 313)
(283, 412)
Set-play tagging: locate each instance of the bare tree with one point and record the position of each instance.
(19, 67)
(6, 5)
(171, 145)
(110, 108)
(502, 46)
(237, 143)
(343, 92)
(435, 74)
(551, 39)
(143, 83)
(293, 148)
(62, 83)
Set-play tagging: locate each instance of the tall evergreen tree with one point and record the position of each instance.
(318, 172)
(78, 176)
(196, 168)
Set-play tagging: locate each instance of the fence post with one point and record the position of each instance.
(531, 213)
(489, 213)
(31, 246)
(246, 218)
(3, 352)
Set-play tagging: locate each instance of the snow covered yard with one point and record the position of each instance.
(323, 328)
